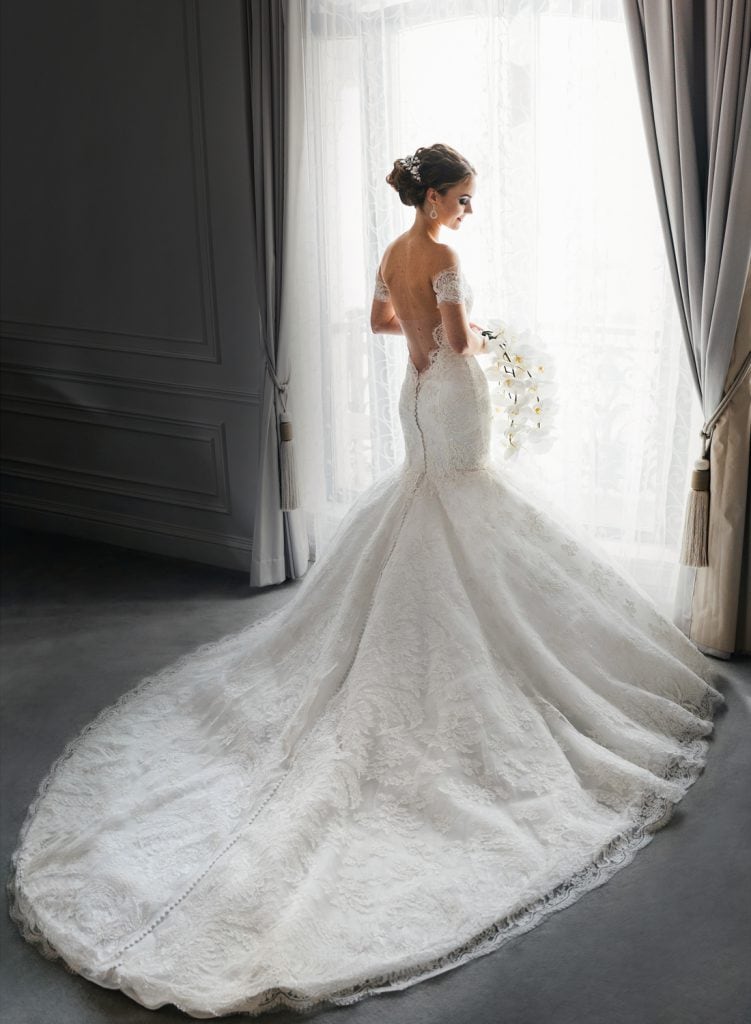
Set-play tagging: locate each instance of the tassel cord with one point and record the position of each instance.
(695, 545)
(708, 429)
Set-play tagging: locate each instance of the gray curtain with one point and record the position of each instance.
(280, 538)
(691, 59)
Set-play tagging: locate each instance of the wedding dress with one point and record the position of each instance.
(464, 719)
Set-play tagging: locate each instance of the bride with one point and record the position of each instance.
(464, 719)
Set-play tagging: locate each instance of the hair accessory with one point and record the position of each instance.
(411, 164)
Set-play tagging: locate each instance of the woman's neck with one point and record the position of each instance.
(424, 227)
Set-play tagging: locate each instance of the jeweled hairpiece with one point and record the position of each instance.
(411, 163)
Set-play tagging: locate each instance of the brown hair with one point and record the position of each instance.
(437, 167)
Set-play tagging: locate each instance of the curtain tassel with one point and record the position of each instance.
(290, 494)
(696, 525)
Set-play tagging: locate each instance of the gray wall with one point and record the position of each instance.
(131, 367)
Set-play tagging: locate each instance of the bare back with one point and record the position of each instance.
(408, 267)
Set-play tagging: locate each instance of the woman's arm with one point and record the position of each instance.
(383, 319)
(460, 334)
(464, 337)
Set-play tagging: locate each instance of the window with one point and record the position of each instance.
(565, 240)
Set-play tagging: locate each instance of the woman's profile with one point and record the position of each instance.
(464, 719)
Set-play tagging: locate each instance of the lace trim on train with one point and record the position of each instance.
(652, 814)
(29, 929)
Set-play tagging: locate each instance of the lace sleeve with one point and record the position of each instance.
(381, 291)
(448, 285)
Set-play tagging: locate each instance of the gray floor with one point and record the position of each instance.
(666, 941)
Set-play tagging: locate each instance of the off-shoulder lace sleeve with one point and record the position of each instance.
(448, 285)
(381, 291)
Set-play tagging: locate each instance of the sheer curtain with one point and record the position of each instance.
(565, 241)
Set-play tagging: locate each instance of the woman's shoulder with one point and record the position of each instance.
(445, 265)
(393, 244)
(447, 278)
(391, 249)
(425, 258)
(444, 255)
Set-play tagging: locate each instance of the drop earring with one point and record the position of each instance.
(434, 213)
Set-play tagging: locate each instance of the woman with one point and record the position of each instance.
(417, 261)
(464, 719)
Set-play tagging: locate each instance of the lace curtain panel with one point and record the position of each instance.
(565, 241)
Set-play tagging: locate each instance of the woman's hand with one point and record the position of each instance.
(484, 341)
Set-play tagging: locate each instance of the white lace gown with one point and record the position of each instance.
(464, 719)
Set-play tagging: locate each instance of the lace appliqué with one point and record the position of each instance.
(449, 286)
(381, 292)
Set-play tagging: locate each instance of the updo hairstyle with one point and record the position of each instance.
(437, 167)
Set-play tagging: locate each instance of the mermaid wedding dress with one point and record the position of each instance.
(463, 719)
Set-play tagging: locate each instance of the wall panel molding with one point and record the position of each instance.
(151, 437)
(108, 339)
(132, 369)
(185, 390)
(209, 546)
(25, 501)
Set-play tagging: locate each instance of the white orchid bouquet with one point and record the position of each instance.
(522, 389)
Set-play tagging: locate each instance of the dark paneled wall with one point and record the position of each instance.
(132, 371)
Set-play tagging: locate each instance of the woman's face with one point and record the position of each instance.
(454, 205)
